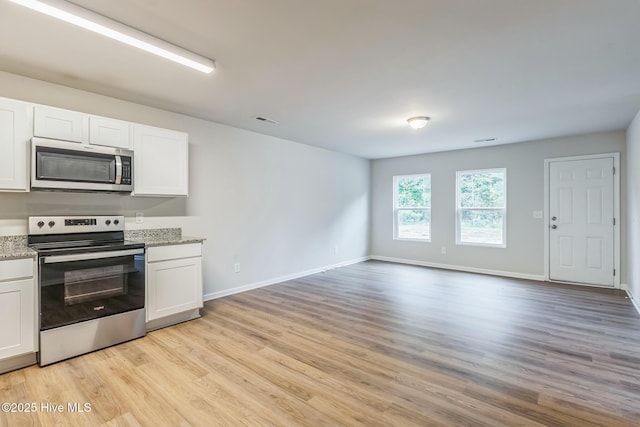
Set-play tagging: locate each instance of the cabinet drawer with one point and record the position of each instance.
(160, 253)
(16, 269)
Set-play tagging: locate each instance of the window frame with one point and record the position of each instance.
(397, 210)
(460, 209)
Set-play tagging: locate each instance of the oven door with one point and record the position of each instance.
(84, 286)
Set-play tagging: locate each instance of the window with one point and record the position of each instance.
(412, 207)
(482, 207)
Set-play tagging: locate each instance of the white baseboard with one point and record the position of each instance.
(462, 268)
(635, 302)
(244, 288)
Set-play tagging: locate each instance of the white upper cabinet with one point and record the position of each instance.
(161, 156)
(15, 133)
(161, 162)
(57, 123)
(67, 125)
(109, 132)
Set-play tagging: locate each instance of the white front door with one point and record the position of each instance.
(581, 221)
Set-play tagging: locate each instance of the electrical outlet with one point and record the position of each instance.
(139, 217)
(236, 267)
(537, 214)
(336, 249)
(443, 250)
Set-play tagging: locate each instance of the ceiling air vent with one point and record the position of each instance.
(267, 120)
(484, 140)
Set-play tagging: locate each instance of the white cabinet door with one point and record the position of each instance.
(161, 162)
(15, 133)
(57, 123)
(17, 310)
(173, 287)
(109, 132)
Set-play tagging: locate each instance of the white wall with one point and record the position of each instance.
(277, 207)
(633, 205)
(274, 206)
(524, 254)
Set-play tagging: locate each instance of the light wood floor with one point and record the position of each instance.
(373, 344)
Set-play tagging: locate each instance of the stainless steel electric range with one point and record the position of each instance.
(91, 283)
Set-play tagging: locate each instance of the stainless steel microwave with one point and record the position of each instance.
(71, 166)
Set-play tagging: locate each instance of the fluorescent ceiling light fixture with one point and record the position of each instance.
(418, 122)
(92, 21)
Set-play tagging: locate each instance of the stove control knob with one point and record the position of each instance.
(40, 224)
(116, 222)
(108, 222)
(51, 224)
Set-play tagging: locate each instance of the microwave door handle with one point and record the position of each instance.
(89, 256)
(118, 170)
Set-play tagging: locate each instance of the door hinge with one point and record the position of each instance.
(614, 171)
(614, 272)
(614, 221)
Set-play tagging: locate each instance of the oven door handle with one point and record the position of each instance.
(89, 256)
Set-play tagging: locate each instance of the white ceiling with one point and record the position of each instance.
(346, 74)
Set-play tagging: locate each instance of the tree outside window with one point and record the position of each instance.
(482, 207)
(412, 207)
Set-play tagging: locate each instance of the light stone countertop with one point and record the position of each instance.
(150, 242)
(160, 237)
(15, 247)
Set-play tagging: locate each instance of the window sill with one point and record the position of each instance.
(405, 239)
(483, 245)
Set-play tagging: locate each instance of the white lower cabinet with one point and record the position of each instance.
(174, 284)
(17, 311)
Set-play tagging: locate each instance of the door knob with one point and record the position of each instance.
(554, 226)
(553, 218)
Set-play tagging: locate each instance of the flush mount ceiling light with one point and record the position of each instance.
(107, 27)
(418, 122)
